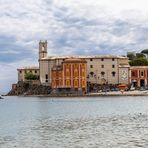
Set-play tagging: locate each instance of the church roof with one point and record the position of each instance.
(29, 68)
(84, 57)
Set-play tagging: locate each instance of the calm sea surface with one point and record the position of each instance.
(41, 122)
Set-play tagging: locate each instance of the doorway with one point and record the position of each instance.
(134, 84)
(142, 83)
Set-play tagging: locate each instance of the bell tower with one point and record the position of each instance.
(42, 49)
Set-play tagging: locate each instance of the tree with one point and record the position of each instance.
(140, 55)
(131, 56)
(30, 76)
(145, 51)
(139, 62)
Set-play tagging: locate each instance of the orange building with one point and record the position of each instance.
(71, 74)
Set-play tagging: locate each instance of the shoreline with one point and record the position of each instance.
(98, 94)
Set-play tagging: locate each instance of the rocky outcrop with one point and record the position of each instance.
(26, 88)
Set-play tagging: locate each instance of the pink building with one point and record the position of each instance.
(139, 76)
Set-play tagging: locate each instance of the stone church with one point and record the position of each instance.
(106, 69)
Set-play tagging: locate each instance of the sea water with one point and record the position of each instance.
(89, 122)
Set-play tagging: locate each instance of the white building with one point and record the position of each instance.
(28, 69)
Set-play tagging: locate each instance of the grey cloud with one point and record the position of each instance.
(69, 29)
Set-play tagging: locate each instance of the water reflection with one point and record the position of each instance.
(101, 122)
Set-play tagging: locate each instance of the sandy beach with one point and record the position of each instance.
(120, 93)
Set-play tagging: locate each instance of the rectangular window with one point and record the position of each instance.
(133, 74)
(91, 59)
(113, 59)
(102, 73)
(46, 76)
(102, 59)
(35, 71)
(113, 66)
(102, 66)
(20, 71)
(91, 66)
(142, 73)
(113, 74)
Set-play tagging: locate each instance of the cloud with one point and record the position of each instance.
(71, 27)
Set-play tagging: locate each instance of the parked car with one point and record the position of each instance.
(132, 88)
(115, 89)
(105, 90)
(146, 87)
(142, 89)
(123, 87)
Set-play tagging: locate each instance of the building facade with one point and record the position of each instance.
(100, 69)
(107, 69)
(139, 76)
(71, 74)
(22, 72)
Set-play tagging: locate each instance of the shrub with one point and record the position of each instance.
(30, 76)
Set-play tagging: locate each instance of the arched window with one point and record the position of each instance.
(102, 73)
(91, 73)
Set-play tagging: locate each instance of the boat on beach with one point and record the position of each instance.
(1, 97)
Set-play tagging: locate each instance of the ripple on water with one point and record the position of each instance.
(116, 131)
(101, 122)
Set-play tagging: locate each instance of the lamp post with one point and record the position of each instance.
(87, 83)
(107, 77)
(96, 76)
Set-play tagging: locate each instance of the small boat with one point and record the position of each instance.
(1, 97)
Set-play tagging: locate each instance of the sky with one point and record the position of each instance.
(71, 27)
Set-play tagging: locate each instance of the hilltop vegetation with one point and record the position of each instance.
(138, 59)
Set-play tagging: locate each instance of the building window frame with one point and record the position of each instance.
(102, 73)
(46, 78)
(133, 74)
(113, 74)
(91, 66)
(142, 73)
